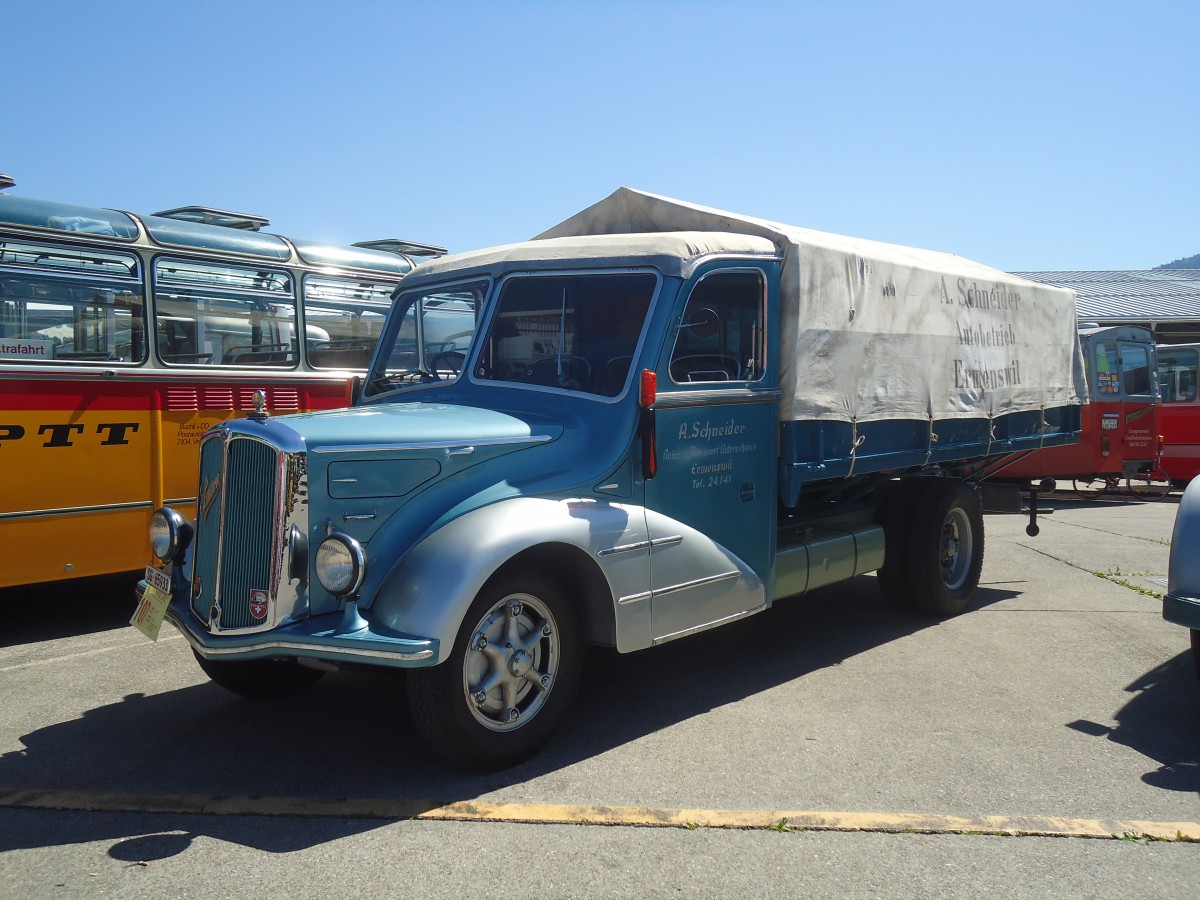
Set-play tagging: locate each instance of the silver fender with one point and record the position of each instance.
(429, 590)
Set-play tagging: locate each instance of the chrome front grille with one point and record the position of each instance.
(251, 495)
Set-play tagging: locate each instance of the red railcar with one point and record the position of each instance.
(1119, 440)
(1179, 414)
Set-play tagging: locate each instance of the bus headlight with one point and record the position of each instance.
(340, 564)
(170, 534)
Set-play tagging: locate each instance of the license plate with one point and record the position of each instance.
(158, 579)
(1108, 423)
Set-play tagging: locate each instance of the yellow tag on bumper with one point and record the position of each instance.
(148, 617)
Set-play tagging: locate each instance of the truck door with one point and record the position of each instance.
(711, 504)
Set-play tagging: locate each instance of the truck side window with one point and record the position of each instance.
(721, 335)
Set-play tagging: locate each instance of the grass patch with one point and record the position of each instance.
(1116, 577)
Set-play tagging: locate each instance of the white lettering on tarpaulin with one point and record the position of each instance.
(987, 379)
(971, 295)
(706, 430)
(978, 336)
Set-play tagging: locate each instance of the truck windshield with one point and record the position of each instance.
(570, 332)
(427, 337)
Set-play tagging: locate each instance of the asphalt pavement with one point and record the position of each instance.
(1044, 744)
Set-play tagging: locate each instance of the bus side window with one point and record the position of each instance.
(1177, 374)
(1106, 368)
(220, 314)
(1135, 369)
(68, 304)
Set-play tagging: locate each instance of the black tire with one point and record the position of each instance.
(1196, 650)
(508, 681)
(946, 548)
(260, 679)
(895, 517)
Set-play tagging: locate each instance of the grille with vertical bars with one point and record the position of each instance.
(236, 530)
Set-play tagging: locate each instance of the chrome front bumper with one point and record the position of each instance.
(319, 638)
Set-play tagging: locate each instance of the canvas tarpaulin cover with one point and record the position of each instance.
(872, 331)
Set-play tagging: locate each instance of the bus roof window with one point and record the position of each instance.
(207, 216)
(67, 218)
(193, 235)
(354, 257)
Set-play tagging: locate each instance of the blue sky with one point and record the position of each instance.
(1027, 135)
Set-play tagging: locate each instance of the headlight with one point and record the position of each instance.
(340, 564)
(170, 534)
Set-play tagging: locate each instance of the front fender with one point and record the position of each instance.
(429, 590)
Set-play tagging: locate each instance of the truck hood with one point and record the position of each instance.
(417, 426)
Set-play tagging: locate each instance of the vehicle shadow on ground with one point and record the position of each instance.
(66, 608)
(1159, 723)
(349, 737)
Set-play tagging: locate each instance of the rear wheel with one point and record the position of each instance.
(946, 549)
(509, 679)
(260, 679)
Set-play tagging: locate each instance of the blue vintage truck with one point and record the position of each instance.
(668, 418)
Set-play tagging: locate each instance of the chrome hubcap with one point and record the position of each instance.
(957, 549)
(510, 663)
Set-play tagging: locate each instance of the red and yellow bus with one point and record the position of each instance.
(124, 337)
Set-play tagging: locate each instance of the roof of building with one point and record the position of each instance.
(1149, 295)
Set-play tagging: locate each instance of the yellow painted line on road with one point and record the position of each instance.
(628, 816)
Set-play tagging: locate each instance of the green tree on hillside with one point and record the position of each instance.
(1189, 262)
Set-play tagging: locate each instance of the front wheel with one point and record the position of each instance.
(509, 679)
(260, 679)
(946, 549)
